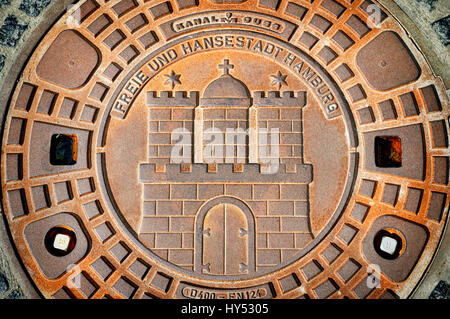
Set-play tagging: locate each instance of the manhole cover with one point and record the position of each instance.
(246, 149)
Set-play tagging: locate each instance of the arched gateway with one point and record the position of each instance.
(224, 238)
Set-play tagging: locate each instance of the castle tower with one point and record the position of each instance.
(233, 206)
(223, 116)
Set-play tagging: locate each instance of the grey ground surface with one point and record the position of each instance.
(23, 23)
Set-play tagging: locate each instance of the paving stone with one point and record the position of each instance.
(442, 291)
(4, 3)
(33, 7)
(2, 61)
(15, 294)
(4, 286)
(11, 31)
(431, 3)
(442, 28)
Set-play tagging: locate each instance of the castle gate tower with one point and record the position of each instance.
(246, 156)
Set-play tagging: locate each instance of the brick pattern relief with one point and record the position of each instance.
(171, 207)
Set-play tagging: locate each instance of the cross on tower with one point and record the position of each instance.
(226, 66)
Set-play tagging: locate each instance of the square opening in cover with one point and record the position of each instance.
(64, 149)
(388, 151)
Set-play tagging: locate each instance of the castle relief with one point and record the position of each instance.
(225, 168)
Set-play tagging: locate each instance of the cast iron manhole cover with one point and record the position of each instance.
(226, 149)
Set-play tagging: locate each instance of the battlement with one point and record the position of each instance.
(191, 99)
(224, 173)
(274, 98)
(168, 98)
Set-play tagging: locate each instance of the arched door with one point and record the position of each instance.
(225, 243)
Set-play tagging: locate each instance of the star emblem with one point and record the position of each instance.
(279, 80)
(173, 79)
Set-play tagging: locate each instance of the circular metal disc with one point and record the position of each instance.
(226, 149)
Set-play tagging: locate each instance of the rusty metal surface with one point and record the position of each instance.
(143, 87)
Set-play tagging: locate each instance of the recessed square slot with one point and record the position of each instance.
(439, 134)
(88, 286)
(149, 208)
(64, 149)
(136, 23)
(413, 200)
(271, 4)
(388, 110)
(41, 197)
(431, 98)
(148, 39)
(366, 115)
(125, 287)
(357, 25)
(100, 24)
(161, 281)
(360, 212)
(368, 188)
(123, 7)
(344, 72)
(114, 39)
(312, 269)
(89, 114)
(85, 186)
(120, 252)
(343, 40)
(326, 289)
(63, 191)
(436, 207)
(308, 40)
(334, 7)
(85, 10)
(409, 104)
(93, 209)
(14, 164)
(140, 268)
(347, 233)
(25, 97)
(17, 131)
(363, 290)
(441, 169)
(331, 253)
(160, 10)
(296, 10)
(129, 54)
(390, 194)
(357, 93)
(68, 108)
(103, 267)
(388, 151)
(47, 102)
(183, 4)
(289, 283)
(104, 232)
(327, 55)
(99, 91)
(112, 71)
(63, 294)
(348, 270)
(320, 23)
(17, 203)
